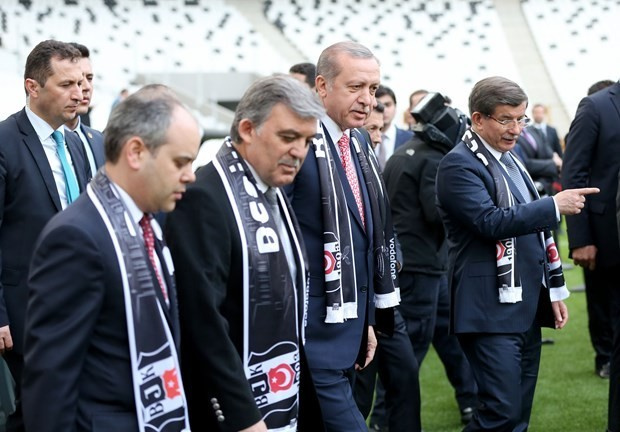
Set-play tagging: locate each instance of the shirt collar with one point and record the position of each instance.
(41, 127)
(76, 128)
(333, 129)
(496, 153)
(262, 186)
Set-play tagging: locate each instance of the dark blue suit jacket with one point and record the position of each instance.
(28, 200)
(95, 139)
(466, 199)
(77, 372)
(592, 159)
(333, 346)
(402, 136)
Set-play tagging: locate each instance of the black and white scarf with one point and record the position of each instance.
(158, 389)
(508, 280)
(274, 316)
(340, 276)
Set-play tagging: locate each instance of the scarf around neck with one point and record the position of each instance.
(508, 279)
(158, 389)
(274, 312)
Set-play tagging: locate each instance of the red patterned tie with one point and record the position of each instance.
(149, 242)
(349, 169)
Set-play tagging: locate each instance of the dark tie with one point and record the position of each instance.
(73, 191)
(515, 174)
(285, 241)
(149, 242)
(345, 159)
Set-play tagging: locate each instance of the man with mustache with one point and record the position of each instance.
(504, 270)
(42, 170)
(344, 218)
(241, 269)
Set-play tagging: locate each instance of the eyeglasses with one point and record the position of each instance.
(522, 122)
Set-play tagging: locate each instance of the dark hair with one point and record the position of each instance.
(417, 93)
(84, 52)
(490, 92)
(258, 101)
(380, 108)
(147, 114)
(383, 90)
(599, 85)
(39, 61)
(306, 69)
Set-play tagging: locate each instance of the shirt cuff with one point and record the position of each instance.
(557, 210)
(557, 294)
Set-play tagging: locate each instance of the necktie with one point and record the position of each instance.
(349, 169)
(285, 242)
(516, 176)
(381, 152)
(149, 242)
(73, 191)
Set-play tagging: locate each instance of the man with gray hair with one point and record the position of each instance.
(339, 200)
(242, 273)
(504, 269)
(102, 329)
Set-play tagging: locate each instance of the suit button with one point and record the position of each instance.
(220, 418)
(218, 413)
(213, 400)
(216, 406)
(364, 288)
(542, 261)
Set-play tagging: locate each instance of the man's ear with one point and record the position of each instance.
(321, 86)
(246, 130)
(32, 87)
(135, 151)
(476, 119)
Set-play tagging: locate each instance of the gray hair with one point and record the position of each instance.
(258, 101)
(147, 114)
(328, 65)
(490, 92)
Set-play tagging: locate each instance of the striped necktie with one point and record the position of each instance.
(515, 174)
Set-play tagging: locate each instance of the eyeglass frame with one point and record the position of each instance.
(507, 124)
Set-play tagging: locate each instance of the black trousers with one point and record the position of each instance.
(599, 283)
(398, 370)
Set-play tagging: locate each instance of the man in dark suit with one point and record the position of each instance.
(102, 328)
(546, 133)
(226, 339)
(541, 161)
(341, 229)
(91, 139)
(504, 274)
(393, 137)
(592, 158)
(41, 172)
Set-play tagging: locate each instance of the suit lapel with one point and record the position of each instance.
(95, 146)
(78, 157)
(614, 93)
(35, 147)
(171, 311)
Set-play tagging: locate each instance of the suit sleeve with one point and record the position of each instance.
(465, 196)
(200, 234)
(581, 145)
(536, 167)
(66, 288)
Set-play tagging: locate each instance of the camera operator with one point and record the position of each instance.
(410, 180)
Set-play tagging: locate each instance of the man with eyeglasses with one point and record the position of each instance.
(504, 270)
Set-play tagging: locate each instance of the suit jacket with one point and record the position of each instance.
(592, 159)
(402, 136)
(551, 139)
(333, 346)
(466, 199)
(77, 368)
(204, 240)
(538, 158)
(28, 200)
(95, 140)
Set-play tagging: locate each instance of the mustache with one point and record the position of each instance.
(511, 137)
(292, 162)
